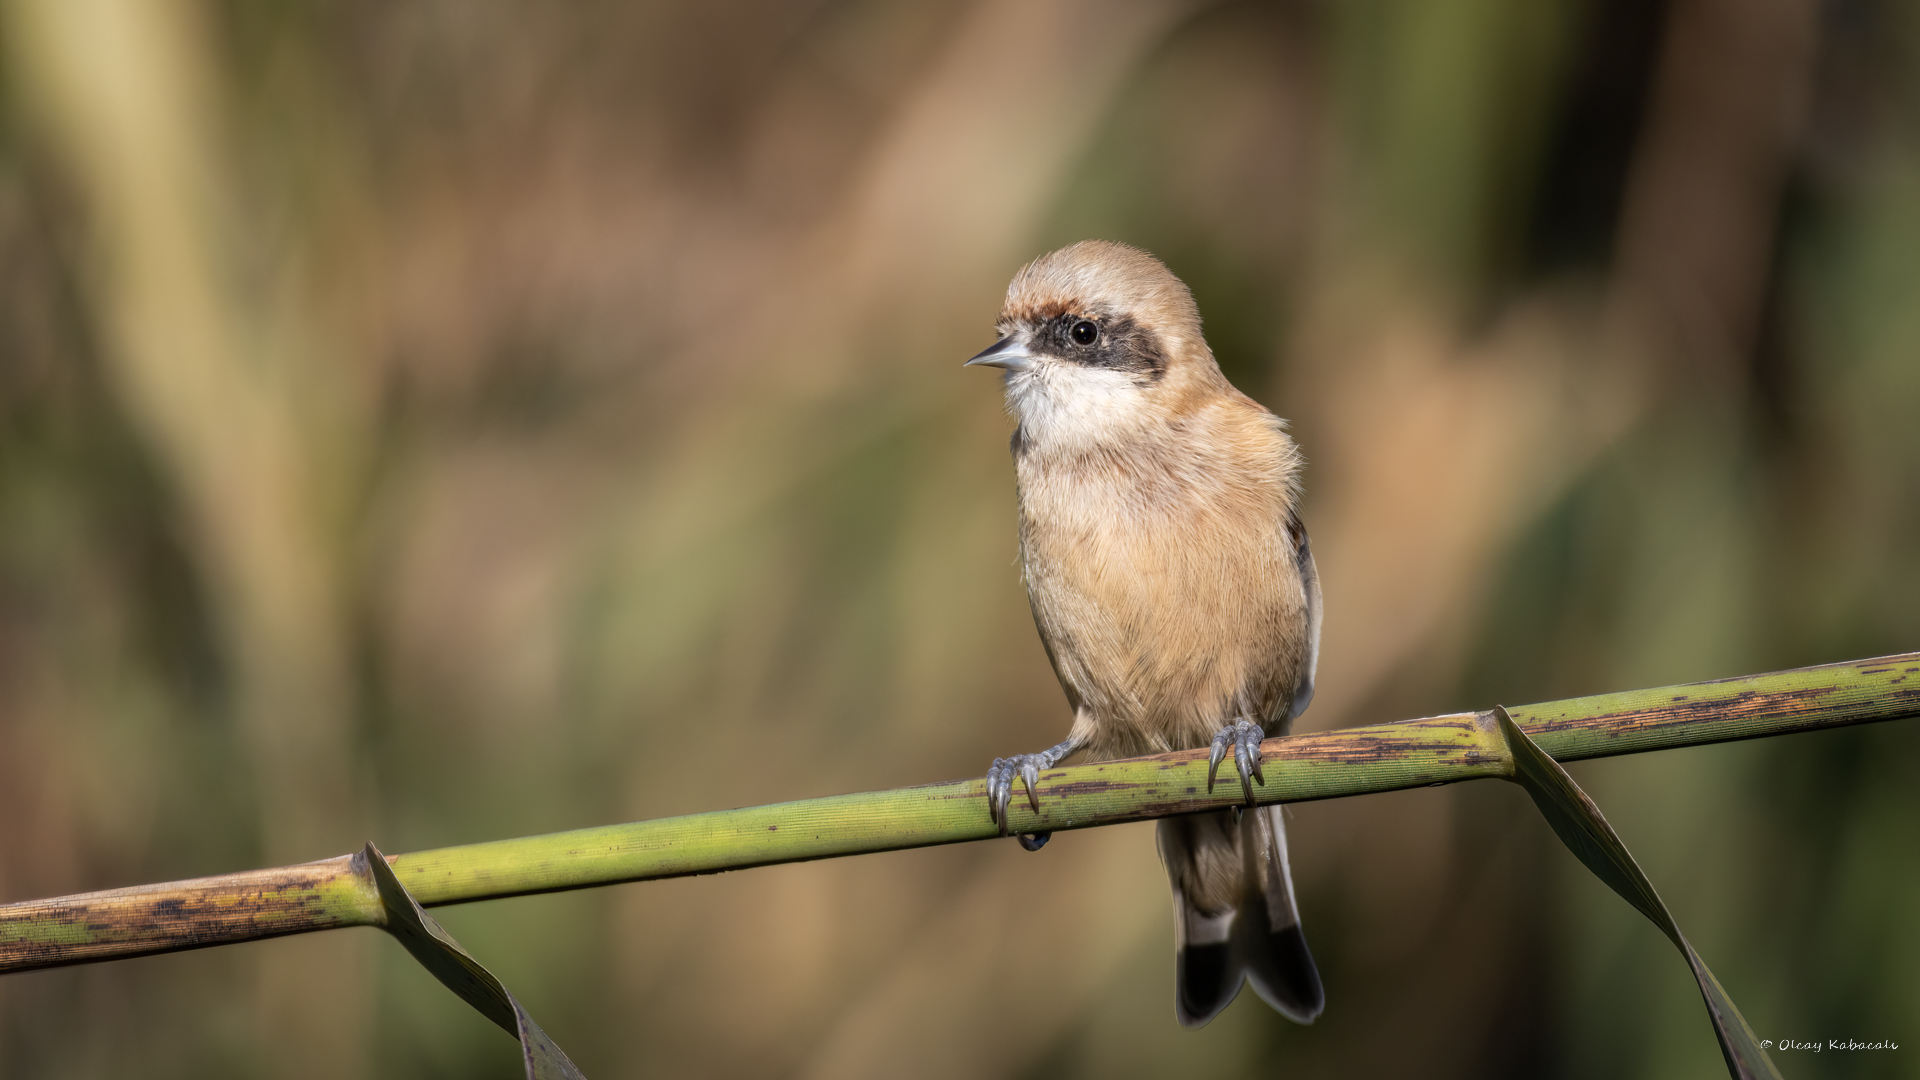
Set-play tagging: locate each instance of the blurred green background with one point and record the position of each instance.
(438, 421)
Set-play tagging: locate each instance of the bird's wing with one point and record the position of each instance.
(1310, 585)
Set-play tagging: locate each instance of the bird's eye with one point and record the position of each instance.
(1084, 333)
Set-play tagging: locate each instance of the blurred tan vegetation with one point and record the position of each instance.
(436, 421)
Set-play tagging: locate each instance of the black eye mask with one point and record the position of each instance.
(1117, 342)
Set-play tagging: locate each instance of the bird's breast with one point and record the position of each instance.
(1166, 594)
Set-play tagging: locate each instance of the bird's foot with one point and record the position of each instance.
(1027, 767)
(1243, 737)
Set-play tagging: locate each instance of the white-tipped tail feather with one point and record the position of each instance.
(1235, 916)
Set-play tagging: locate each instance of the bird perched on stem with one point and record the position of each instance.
(1172, 584)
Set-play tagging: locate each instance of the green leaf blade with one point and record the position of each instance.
(1577, 821)
(441, 955)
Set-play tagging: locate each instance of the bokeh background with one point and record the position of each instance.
(439, 421)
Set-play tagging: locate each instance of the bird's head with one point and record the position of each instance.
(1099, 340)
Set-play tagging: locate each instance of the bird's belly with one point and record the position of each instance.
(1164, 638)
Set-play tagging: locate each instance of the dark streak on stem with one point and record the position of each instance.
(182, 915)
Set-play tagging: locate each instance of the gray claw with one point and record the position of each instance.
(1219, 753)
(1000, 778)
(1244, 737)
(999, 792)
(1027, 767)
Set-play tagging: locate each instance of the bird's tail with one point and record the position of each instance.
(1234, 915)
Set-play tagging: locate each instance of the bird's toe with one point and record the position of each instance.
(1242, 739)
(999, 792)
(1221, 741)
(1023, 769)
(1030, 776)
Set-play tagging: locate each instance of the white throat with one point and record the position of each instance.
(1065, 407)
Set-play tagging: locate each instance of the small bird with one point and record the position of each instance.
(1172, 584)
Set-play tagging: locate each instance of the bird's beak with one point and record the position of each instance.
(1007, 353)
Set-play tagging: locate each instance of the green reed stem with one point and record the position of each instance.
(1322, 765)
